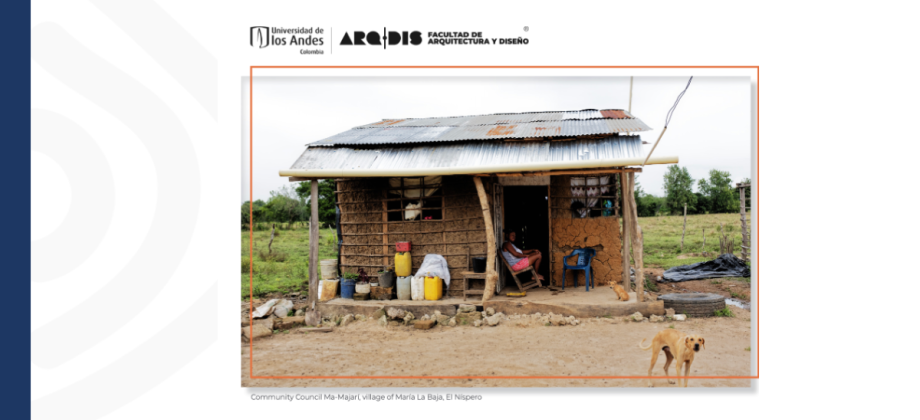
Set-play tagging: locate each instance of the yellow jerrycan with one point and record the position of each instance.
(434, 288)
(403, 264)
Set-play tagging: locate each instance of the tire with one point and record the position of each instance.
(697, 305)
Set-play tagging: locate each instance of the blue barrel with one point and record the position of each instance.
(403, 288)
(348, 289)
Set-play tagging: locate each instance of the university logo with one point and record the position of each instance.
(388, 38)
(258, 36)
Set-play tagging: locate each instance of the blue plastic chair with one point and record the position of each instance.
(585, 255)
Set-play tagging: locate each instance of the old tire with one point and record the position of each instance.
(696, 305)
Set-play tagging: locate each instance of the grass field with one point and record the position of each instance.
(662, 238)
(286, 269)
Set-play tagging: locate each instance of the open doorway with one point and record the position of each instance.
(526, 212)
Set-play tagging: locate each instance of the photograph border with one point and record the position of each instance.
(757, 194)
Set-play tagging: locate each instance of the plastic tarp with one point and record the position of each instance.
(726, 265)
(436, 265)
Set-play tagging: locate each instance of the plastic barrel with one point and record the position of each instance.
(348, 289)
(328, 269)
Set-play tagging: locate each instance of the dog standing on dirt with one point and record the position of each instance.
(676, 345)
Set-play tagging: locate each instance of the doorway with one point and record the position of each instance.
(526, 212)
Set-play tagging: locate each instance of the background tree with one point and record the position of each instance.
(326, 201)
(678, 187)
(647, 204)
(284, 206)
(721, 194)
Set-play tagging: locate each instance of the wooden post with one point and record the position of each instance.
(314, 243)
(685, 229)
(624, 182)
(637, 240)
(745, 239)
(491, 275)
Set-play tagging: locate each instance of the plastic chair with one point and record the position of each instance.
(585, 255)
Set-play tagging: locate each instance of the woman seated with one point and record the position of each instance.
(520, 259)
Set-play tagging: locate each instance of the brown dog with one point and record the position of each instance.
(620, 292)
(676, 345)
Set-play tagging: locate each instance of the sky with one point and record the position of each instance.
(711, 128)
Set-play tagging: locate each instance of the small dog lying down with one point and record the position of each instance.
(676, 345)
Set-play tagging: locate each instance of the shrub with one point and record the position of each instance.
(724, 312)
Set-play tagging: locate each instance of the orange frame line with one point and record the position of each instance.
(252, 361)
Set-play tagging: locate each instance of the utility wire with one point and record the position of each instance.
(667, 120)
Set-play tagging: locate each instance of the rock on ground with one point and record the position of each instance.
(257, 331)
(360, 317)
(382, 321)
(378, 313)
(468, 318)
(493, 320)
(299, 312)
(424, 324)
(443, 320)
(637, 317)
(680, 317)
(347, 319)
(490, 311)
(396, 313)
(656, 318)
(452, 322)
(464, 308)
(477, 323)
(669, 312)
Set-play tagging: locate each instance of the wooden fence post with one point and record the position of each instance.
(685, 229)
(627, 226)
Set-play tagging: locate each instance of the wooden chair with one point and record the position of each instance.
(522, 287)
(466, 276)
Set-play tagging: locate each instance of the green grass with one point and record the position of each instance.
(725, 312)
(662, 237)
(748, 348)
(287, 268)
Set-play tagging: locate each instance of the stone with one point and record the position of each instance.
(468, 318)
(571, 321)
(347, 319)
(393, 324)
(257, 331)
(396, 313)
(477, 323)
(382, 321)
(656, 318)
(378, 313)
(637, 317)
(490, 311)
(556, 319)
(493, 320)
(425, 317)
(424, 325)
(437, 313)
(299, 312)
(466, 308)
(360, 317)
(290, 322)
(409, 317)
(537, 315)
(329, 324)
(452, 322)
(680, 317)
(443, 319)
(669, 312)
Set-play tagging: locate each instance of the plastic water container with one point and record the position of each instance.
(328, 269)
(418, 288)
(434, 288)
(348, 289)
(403, 264)
(404, 288)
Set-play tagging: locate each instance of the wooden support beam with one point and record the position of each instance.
(314, 243)
(591, 171)
(637, 239)
(491, 275)
(624, 183)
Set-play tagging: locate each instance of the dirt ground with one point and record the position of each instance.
(517, 347)
(720, 286)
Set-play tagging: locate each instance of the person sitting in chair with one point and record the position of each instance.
(520, 259)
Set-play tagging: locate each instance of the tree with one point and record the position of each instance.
(678, 187)
(283, 206)
(646, 204)
(326, 201)
(719, 192)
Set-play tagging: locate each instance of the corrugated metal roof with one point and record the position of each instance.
(493, 119)
(468, 154)
(563, 128)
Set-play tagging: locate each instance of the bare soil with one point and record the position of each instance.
(517, 347)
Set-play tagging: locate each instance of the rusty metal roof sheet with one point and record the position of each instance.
(469, 153)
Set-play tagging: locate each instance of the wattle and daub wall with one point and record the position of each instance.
(370, 231)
